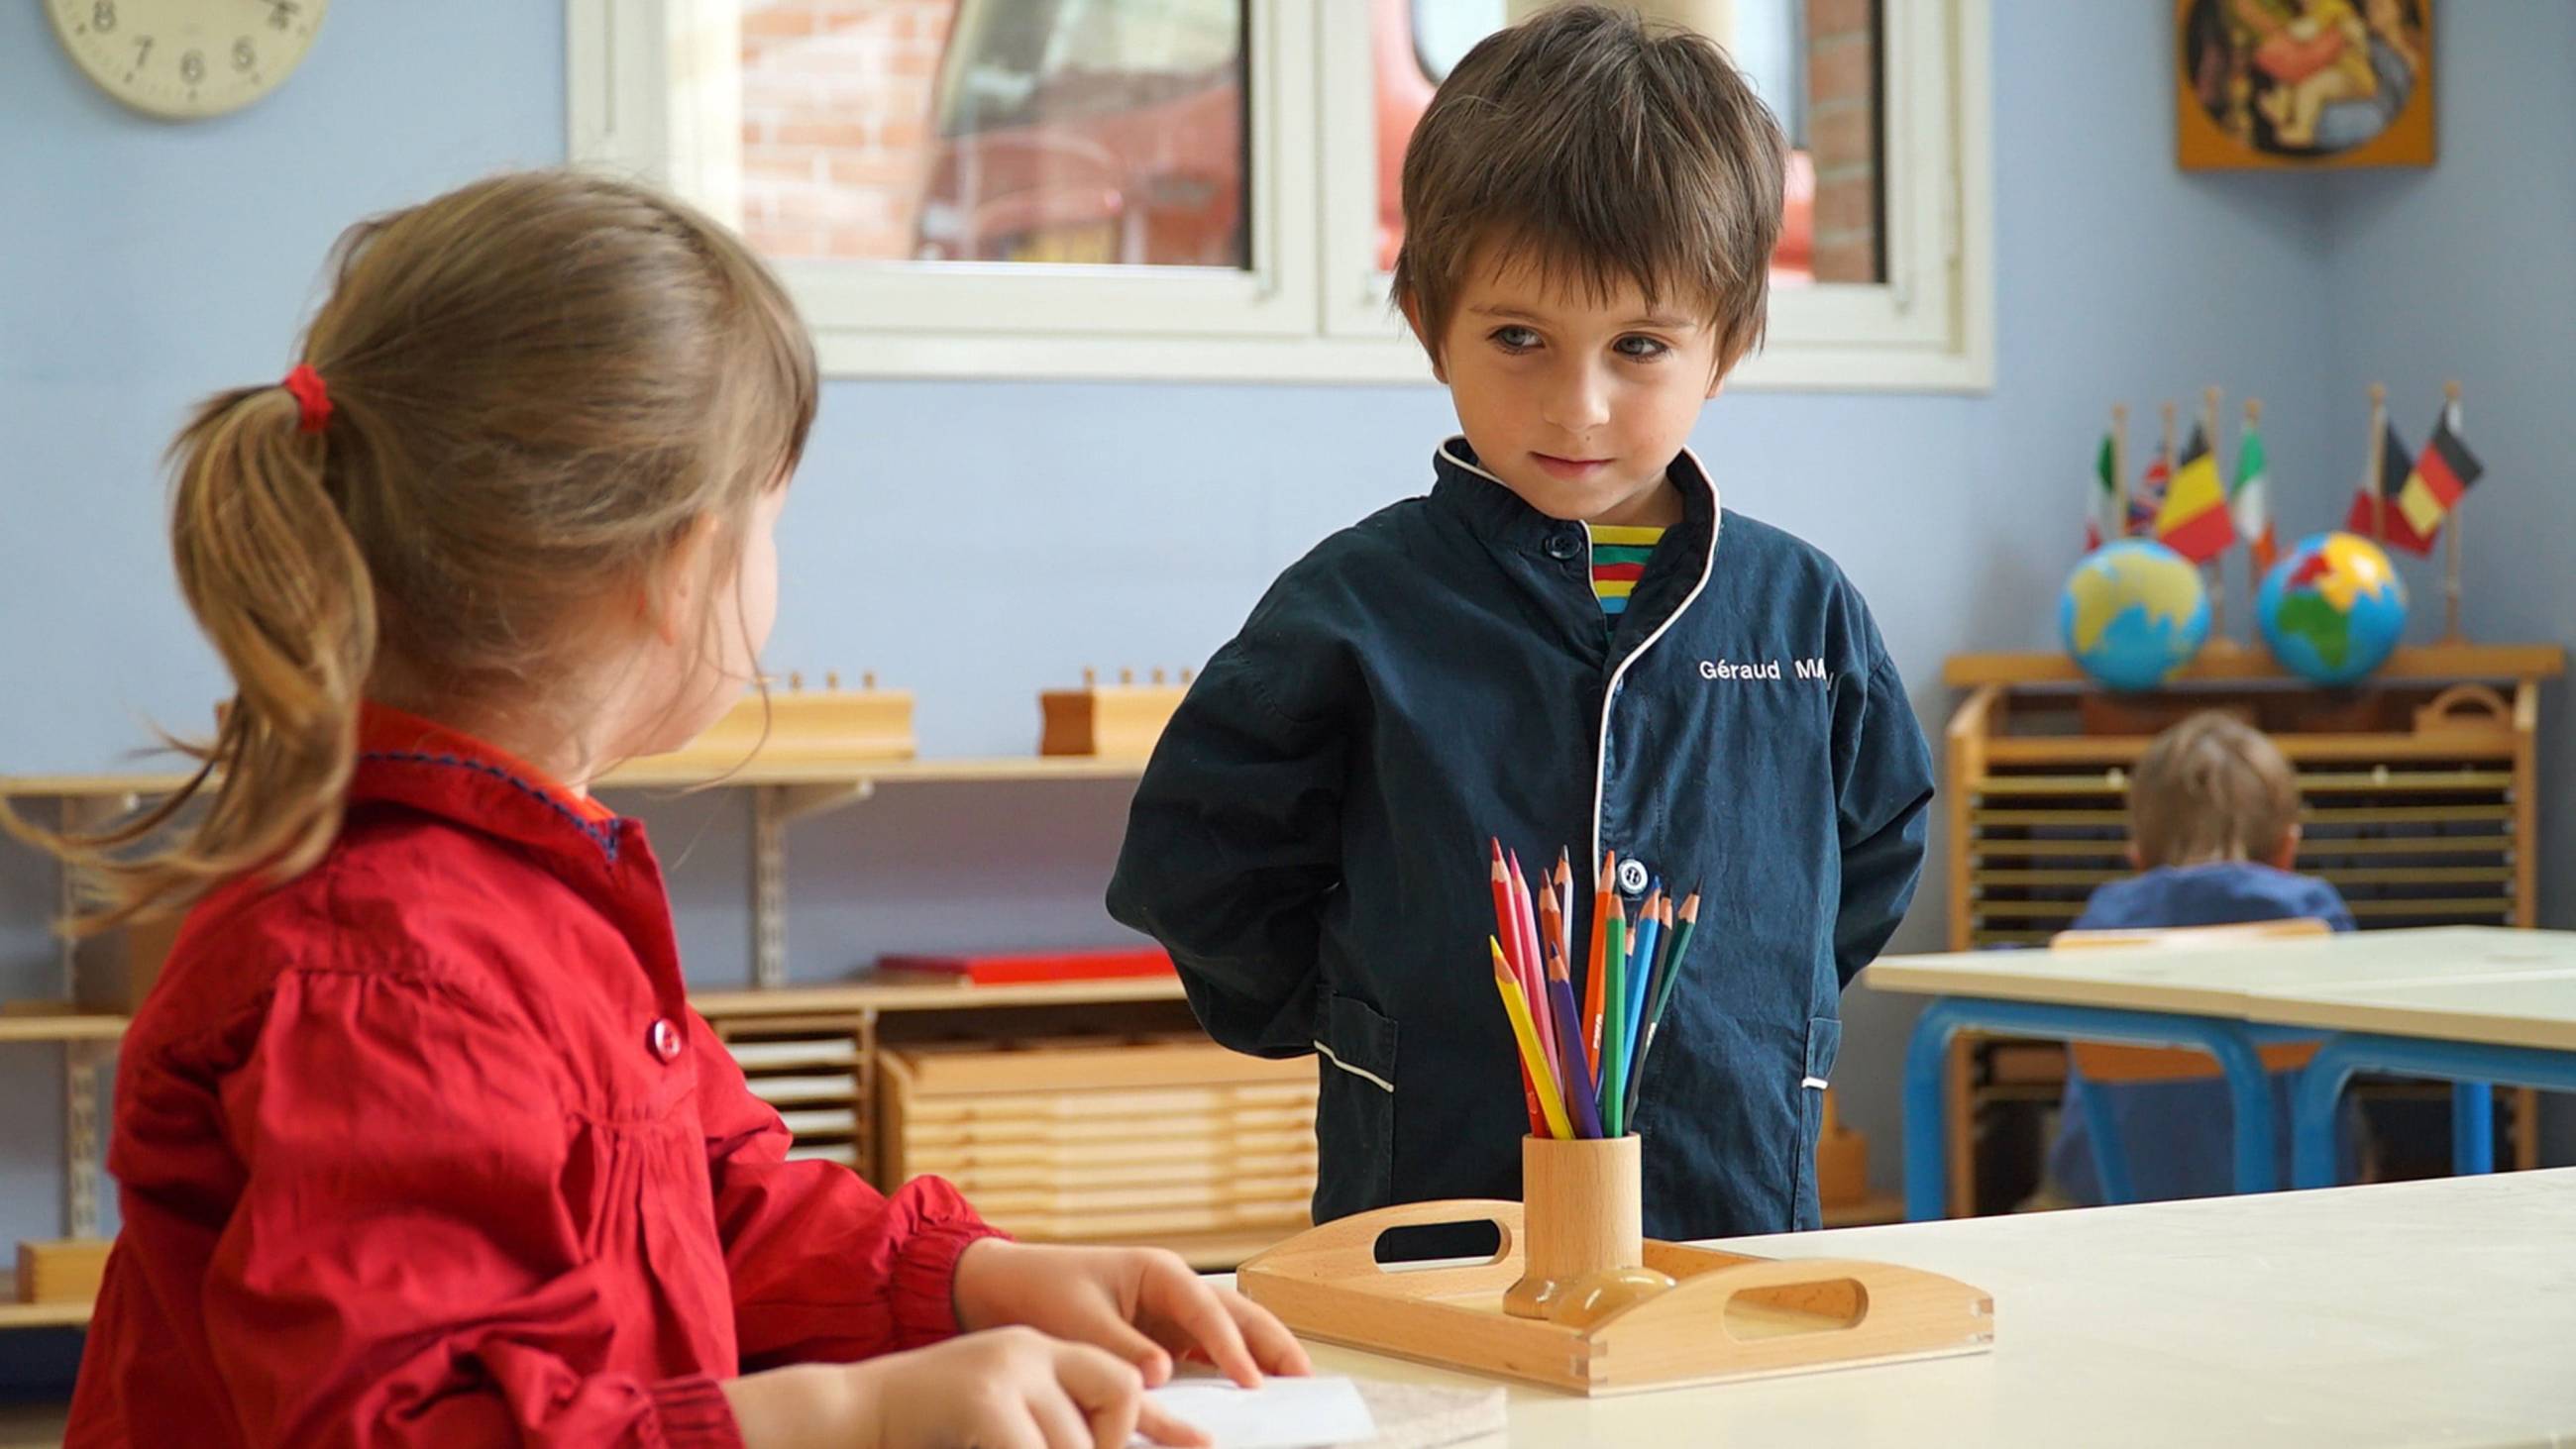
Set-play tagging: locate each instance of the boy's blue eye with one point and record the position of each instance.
(1514, 339)
(1641, 349)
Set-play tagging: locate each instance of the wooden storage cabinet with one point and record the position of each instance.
(1169, 1140)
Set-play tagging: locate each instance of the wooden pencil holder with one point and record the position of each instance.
(1583, 1215)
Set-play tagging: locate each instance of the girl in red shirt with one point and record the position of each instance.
(417, 1140)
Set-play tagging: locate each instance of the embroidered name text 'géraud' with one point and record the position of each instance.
(1728, 669)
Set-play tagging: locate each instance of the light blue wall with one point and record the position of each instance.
(143, 265)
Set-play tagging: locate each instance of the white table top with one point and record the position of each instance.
(2463, 983)
(2410, 1313)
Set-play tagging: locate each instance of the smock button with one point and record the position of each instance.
(664, 1038)
(1632, 876)
(1563, 546)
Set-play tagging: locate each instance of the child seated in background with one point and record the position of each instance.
(2214, 826)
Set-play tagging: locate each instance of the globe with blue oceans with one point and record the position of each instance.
(2133, 612)
(2332, 609)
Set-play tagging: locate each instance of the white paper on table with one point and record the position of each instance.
(1284, 1413)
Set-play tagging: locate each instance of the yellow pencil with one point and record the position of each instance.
(1516, 1007)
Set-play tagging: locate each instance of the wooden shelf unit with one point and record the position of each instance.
(2420, 790)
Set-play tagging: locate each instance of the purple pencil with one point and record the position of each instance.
(1576, 1069)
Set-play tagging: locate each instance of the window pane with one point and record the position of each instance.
(1815, 62)
(1071, 131)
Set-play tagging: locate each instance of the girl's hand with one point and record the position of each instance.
(1142, 1304)
(1013, 1388)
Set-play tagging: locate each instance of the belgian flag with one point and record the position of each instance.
(2441, 475)
(2193, 520)
(2365, 516)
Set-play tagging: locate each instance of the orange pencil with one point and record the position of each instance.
(1602, 904)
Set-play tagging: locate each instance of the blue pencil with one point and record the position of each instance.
(1649, 926)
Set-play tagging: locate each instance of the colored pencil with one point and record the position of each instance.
(1601, 906)
(1533, 965)
(1641, 965)
(1654, 982)
(1614, 1033)
(1516, 1007)
(1577, 1075)
(1505, 930)
(1675, 961)
(1565, 905)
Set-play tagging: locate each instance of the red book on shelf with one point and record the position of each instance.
(998, 970)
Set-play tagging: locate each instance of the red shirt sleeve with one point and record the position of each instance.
(401, 1266)
(825, 1268)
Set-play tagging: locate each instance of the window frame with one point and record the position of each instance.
(654, 91)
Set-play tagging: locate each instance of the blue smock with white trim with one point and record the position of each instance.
(1310, 837)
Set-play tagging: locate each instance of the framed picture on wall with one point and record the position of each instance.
(2294, 84)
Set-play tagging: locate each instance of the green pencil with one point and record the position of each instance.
(1614, 1024)
(1674, 960)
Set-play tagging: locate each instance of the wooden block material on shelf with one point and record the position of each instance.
(795, 725)
(1731, 1316)
(65, 1270)
(1107, 721)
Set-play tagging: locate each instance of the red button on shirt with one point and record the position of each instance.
(665, 1038)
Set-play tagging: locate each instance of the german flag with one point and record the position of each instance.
(2365, 516)
(2441, 475)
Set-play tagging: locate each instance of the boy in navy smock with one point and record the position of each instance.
(2213, 828)
(1566, 643)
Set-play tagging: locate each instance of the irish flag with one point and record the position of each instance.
(2247, 501)
(2100, 522)
(2194, 521)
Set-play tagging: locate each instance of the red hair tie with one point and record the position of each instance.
(312, 400)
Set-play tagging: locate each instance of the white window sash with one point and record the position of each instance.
(654, 91)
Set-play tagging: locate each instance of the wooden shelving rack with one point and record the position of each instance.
(2421, 795)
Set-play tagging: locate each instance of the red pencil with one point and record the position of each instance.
(1534, 978)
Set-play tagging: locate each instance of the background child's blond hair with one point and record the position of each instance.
(2211, 788)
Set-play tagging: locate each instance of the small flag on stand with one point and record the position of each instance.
(2249, 501)
(2441, 476)
(2366, 514)
(2194, 520)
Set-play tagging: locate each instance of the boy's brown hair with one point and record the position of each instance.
(2211, 788)
(1597, 146)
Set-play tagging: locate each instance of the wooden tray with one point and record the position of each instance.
(1732, 1316)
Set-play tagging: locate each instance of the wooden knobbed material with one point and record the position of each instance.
(1728, 1315)
(1119, 721)
(796, 725)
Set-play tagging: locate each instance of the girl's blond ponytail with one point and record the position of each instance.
(280, 587)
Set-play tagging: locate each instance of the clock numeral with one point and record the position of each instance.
(142, 50)
(102, 16)
(244, 58)
(281, 13)
(192, 67)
